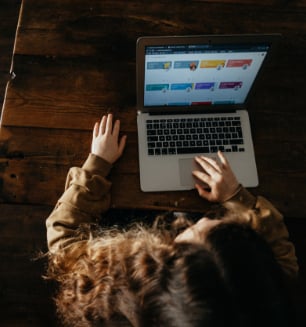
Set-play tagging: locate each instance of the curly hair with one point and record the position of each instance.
(144, 278)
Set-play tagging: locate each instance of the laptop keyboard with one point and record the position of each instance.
(194, 135)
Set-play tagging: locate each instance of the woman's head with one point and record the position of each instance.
(251, 275)
(145, 277)
(187, 291)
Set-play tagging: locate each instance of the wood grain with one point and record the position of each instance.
(72, 61)
(75, 61)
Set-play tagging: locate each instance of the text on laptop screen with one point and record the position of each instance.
(188, 75)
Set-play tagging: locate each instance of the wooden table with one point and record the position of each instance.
(75, 61)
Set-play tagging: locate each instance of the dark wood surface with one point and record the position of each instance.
(74, 61)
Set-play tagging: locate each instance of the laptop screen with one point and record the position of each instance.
(200, 74)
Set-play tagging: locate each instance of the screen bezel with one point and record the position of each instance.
(270, 40)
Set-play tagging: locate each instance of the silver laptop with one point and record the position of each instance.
(191, 100)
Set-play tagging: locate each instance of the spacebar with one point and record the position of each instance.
(202, 149)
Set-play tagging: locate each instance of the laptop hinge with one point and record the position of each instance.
(178, 112)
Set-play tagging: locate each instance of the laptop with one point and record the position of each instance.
(192, 94)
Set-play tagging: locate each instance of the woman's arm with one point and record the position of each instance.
(87, 192)
(258, 212)
(265, 219)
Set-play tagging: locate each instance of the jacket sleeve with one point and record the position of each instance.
(86, 196)
(264, 218)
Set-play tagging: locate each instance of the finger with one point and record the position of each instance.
(225, 164)
(223, 159)
(213, 163)
(122, 144)
(207, 165)
(95, 130)
(203, 180)
(116, 128)
(202, 192)
(109, 124)
(103, 125)
(202, 176)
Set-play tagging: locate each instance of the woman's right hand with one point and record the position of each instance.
(222, 182)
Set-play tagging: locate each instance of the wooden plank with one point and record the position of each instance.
(41, 96)
(23, 182)
(34, 163)
(9, 12)
(37, 182)
(34, 171)
(54, 146)
(112, 27)
(38, 15)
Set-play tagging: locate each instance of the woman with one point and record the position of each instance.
(215, 272)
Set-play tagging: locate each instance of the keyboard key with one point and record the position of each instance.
(152, 138)
(193, 150)
(194, 135)
(235, 141)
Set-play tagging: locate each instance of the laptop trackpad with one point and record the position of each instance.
(186, 166)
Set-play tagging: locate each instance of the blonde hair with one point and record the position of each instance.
(104, 267)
